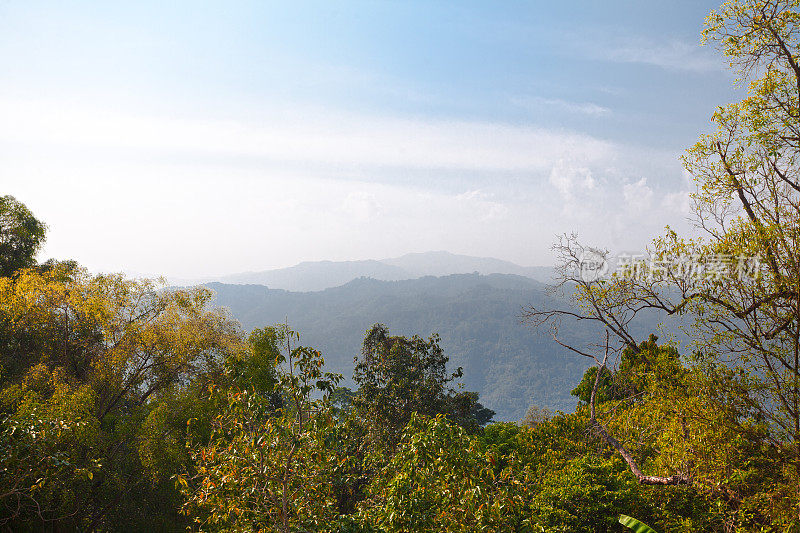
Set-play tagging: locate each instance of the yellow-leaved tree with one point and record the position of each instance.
(735, 282)
(87, 366)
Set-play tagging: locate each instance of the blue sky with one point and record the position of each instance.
(195, 138)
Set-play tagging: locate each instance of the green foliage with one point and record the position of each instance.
(263, 471)
(442, 479)
(99, 375)
(398, 377)
(585, 494)
(21, 236)
(266, 468)
(635, 525)
(256, 371)
(663, 411)
(477, 317)
(46, 473)
(554, 477)
(649, 363)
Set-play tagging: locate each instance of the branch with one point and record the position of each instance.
(676, 479)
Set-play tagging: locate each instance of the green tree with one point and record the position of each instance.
(265, 468)
(398, 376)
(89, 366)
(743, 292)
(443, 479)
(21, 236)
(256, 369)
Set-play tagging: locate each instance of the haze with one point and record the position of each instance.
(197, 139)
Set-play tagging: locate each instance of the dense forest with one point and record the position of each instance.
(128, 406)
(477, 316)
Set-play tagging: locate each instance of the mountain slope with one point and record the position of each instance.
(319, 275)
(444, 263)
(477, 316)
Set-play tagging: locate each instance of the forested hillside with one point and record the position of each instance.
(478, 318)
(130, 405)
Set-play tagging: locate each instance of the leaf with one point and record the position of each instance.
(636, 525)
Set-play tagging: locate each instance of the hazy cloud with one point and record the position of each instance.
(361, 205)
(167, 188)
(570, 180)
(638, 196)
(483, 205)
(582, 108)
(304, 136)
(673, 54)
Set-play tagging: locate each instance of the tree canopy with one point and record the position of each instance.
(21, 236)
(127, 405)
(736, 282)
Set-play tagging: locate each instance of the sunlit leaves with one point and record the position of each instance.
(21, 236)
(86, 363)
(269, 467)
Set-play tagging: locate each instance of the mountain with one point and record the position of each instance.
(477, 316)
(445, 263)
(319, 275)
(315, 276)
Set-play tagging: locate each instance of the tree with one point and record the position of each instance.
(256, 369)
(268, 469)
(21, 236)
(398, 376)
(535, 415)
(443, 479)
(88, 365)
(739, 282)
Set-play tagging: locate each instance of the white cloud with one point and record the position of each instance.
(302, 136)
(638, 196)
(583, 108)
(482, 205)
(570, 180)
(678, 202)
(673, 54)
(361, 205)
(192, 198)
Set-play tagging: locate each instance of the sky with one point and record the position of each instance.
(196, 138)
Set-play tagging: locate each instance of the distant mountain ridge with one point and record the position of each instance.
(320, 275)
(477, 316)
